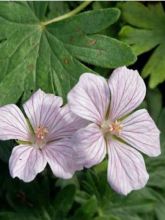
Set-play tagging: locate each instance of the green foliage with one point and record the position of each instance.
(154, 103)
(33, 55)
(146, 31)
(53, 57)
(87, 210)
(64, 201)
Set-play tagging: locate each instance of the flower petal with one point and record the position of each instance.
(25, 162)
(41, 108)
(126, 168)
(90, 98)
(127, 92)
(89, 145)
(140, 131)
(60, 157)
(65, 124)
(13, 124)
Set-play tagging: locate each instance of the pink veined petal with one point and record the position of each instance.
(140, 131)
(65, 124)
(13, 124)
(60, 157)
(41, 109)
(126, 168)
(90, 98)
(127, 92)
(89, 146)
(26, 162)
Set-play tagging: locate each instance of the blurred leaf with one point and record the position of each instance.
(22, 197)
(39, 9)
(107, 218)
(161, 125)
(161, 121)
(25, 215)
(157, 174)
(57, 8)
(102, 167)
(65, 182)
(87, 210)
(131, 207)
(154, 103)
(140, 201)
(63, 201)
(5, 150)
(160, 210)
(146, 32)
(81, 197)
(14, 216)
(96, 184)
(34, 56)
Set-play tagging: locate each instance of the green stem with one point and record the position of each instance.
(69, 14)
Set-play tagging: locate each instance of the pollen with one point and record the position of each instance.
(113, 128)
(41, 133)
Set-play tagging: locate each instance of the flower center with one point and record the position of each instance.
(111, 128)
(40, 136)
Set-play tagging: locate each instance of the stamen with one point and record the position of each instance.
(40, 135)
(111, 128)
(115, 127)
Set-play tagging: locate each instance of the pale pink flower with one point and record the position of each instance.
(112, 130)
(47, 141)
